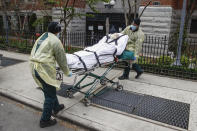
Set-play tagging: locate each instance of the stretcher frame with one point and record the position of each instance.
(98, 79)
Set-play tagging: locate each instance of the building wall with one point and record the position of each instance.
(116, 9)
(157, 21)
(176, 4)
(77, 24)
(164, 15)
(192, 35)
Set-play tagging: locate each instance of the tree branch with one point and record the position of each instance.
(145, 8)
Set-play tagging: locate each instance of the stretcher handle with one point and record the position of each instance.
(116, 59)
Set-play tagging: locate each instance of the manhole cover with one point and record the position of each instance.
(5, 61)
(155, 108)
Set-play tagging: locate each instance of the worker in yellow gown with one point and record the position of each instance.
(46, 51)
(133, 48)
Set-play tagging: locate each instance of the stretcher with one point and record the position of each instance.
(98, 79)
(84, 62)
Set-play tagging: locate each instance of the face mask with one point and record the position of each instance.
(133, 28)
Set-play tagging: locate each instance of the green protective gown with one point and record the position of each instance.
(135, 40)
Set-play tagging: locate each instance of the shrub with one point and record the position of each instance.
(185, 61)
(164, 60)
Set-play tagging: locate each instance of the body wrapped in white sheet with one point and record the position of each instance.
(108, 47)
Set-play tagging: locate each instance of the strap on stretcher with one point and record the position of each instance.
(82, 62)
(96, 56)
(116, 40)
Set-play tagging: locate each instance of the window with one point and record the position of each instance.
(156, 3)
(193, 28)
(31, 19)
(1, 22)
(46, 21)
(7, 2)
(21, 20)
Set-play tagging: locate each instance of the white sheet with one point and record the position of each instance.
(101, 48)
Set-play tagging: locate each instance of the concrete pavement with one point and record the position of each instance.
(16, 82)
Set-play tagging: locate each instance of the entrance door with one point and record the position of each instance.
(96, 26)
(94, 32)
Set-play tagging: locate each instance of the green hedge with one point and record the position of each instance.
(176, 71)
(166, 61)
(24, 46)
(3, 43)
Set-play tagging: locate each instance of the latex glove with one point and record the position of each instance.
(70, 74)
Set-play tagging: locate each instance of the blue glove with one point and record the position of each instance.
(70, 74)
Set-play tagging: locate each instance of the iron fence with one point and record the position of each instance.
(81, 39)
(20, 41)
(157, 56)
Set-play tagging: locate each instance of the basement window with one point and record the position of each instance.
(193, 28)
(156, 3)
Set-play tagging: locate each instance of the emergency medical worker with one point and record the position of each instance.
(48, 50)
(133, 48)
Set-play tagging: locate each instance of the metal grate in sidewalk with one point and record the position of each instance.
(119, 100)
(162, 110)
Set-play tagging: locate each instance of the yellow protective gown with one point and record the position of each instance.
(46, 52)
(135, 40)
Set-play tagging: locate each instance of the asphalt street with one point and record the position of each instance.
(17, 117)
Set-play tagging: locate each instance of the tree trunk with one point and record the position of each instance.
(135, 12)
(125, 12)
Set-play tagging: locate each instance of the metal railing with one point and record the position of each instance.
(158, 53)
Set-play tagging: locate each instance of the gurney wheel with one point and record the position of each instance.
(119, 88)
(103, 82)
(59, 76)
(69, 94)
(86, 102)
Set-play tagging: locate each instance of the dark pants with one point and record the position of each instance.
(51, 101)
(135, 67)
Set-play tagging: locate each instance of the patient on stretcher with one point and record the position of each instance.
(103, 52)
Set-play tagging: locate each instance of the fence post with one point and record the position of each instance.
(6, 24)
(1, 58)
(177, 62)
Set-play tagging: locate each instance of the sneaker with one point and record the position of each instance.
(123, 77)
(51, 122)
(139, 74)
(61, 107)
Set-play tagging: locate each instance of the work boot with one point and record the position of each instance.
(61, 107)
(138, 70)
(123, 77)
(139, 74)
(48, 123)
(125, 73)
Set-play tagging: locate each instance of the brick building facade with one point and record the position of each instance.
(176, 4)
(162, 17)
(41, 9)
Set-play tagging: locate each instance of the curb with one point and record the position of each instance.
(40, 109)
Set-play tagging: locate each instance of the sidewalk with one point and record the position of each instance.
(16, 82)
